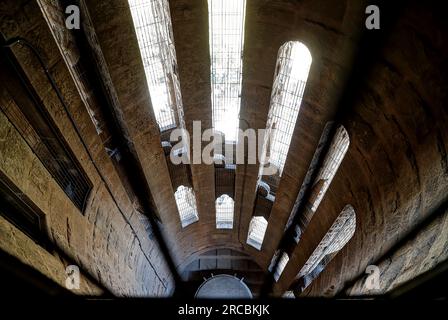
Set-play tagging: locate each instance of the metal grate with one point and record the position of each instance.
(335, 239)
(281, 266)
(186, 204)
(335, 155)
(226, 22)
(257, 230)
(224, 212)
(293, 64)
(152, 25)
(40, 132)
(19, 210)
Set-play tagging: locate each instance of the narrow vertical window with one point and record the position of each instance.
(281, 266)
(186, 204)
(226, 30)
(224, 212)
(338, 149)
(336, 238)
(257, 230)
(153, 28)
(291, 74)
(293, 65)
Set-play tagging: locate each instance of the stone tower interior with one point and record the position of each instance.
(148, 147)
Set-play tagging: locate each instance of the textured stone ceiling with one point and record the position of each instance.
(394, 174)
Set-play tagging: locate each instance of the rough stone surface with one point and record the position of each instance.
(395, 173)
(19, 245)
(110, 241)
(418, 255)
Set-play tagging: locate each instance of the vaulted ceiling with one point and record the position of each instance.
(389, 94)
(387, 174)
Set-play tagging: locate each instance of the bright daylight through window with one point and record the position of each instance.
(257, 229)
(226, 22)
(281, 266)
(186, 204)
(335, 239)
(224, 212)
(152, 25)
(293, 65)
(336, 153)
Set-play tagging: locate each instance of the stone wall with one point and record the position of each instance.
(19, 245)
(421, 253)
(111, 240)
(395, 172)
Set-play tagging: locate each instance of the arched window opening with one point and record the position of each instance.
(281, 266)
(257, 230)
(226, 23)
(288, 295)
(224, 212)
(336, 238)
(152, 23)
(293, 65)
(336, 152)
(274, 258)
(186, 204)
